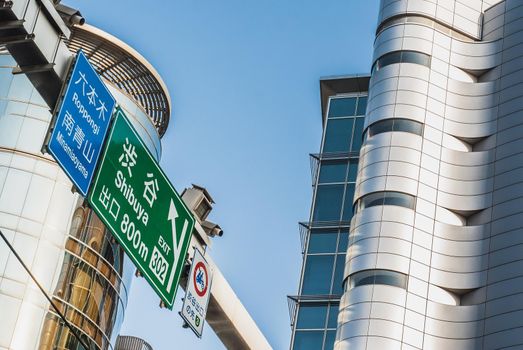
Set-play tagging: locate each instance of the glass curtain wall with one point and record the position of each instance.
(77, 262)
(316, 312)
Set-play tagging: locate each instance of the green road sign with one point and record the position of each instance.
(136, 201)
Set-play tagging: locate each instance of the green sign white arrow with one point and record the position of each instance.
(178, 244)
(133, 197)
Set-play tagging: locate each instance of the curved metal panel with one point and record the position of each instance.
(460, 246)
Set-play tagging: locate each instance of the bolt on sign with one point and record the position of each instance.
(133, 197)
(197, 293)
(81, 124)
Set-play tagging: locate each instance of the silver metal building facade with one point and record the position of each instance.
(64, 244)
(436, 245)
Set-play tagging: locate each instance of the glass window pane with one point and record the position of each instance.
(333, 171)
(308, 340)
(323, 242)
(337, 288)
(343, 242)
(406, 125)
(349, 197)
(390, 278)
(362, 105)
(353, 170)
(387, 198)
(357, 138)
(341, 107)
(338, 135)
(328, 203)
(329, 340)
(415, 57)
(334, 309)
(390, 58)
(373, 199)
(356, 278)
(379, 276)
(364, 280)
(380, 127)
(387, 125)
(399, 199)
(402, 56)
(21, 88)
(366, 134)
(311, 316)
(5, 81)
(318, 274)
(7, 61)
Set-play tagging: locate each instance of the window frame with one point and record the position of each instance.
(401, 56)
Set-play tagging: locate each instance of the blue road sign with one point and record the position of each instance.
(81, 124)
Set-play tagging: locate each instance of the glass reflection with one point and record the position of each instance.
(405, 56)
(317, 277)
(89, 292)
(386, 277)
(385, 198)
(395, 124)
(340, 107)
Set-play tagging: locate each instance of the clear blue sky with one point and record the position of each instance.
(244, 82)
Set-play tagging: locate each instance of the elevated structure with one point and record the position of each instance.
(226, 314)
(435, 245)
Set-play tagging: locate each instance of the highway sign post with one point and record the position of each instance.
(133, 197)
(81, 124)
(197, 293)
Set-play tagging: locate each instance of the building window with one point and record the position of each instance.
(317, 277)
(362, 105)
(353, 170)
(325, 262)
(347, 206)
(401, 57)
(343, 135)
(335, 190)
(396, 124)
(328, 241)
(308, 340)
(358, 134)
(347, 106)
(333, 171)
(385, 198)
(386, 277)
(323, 274)
(338, 135)
(316, 326)
(342, 107)
(329, 200)
(337, 282)
(312, 316)
(326, 247)
(322, 241)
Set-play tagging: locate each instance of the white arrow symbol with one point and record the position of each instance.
(177, 245)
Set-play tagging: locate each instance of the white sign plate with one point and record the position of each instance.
(197, 293)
